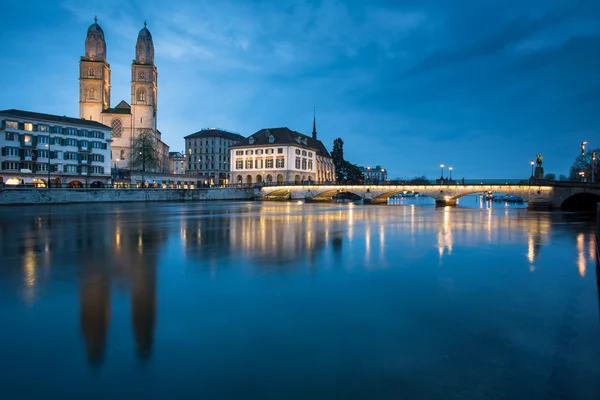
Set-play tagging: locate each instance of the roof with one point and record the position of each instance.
(121, 108)
(175, 154)
(213, 132)
(284, 136)
(53, 118)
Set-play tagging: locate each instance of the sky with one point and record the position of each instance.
(481, 86)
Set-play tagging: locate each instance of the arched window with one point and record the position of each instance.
(117, 128)
(91, 72)
(141, 95)
(142, 75)
(122, 155)
(92, 95)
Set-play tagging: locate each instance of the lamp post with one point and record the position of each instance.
(532, 162)
(450, 168)
(442, 169)
(583, 147)
(582, 174)
(593, 166)
(143, 154)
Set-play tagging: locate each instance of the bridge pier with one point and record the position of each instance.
(445, 201)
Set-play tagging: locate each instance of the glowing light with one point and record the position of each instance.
(581, 264)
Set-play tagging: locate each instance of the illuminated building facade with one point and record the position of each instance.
(280, 155)
(374, 175)
(126, 120)
(177, 163)
(69, 151)
(207, 153)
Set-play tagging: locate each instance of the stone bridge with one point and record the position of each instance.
(538, 194)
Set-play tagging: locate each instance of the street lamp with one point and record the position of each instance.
(583, 147)
(582, 174)
(532, 162)
(442, 168)
(593, 165)
(450, 168)
(143, 154)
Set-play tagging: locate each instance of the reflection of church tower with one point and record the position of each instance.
(144, 83)
(94, 75)
(95, 315)
(143, 307)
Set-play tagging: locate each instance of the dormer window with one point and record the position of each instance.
(251, 140)
(271, 138)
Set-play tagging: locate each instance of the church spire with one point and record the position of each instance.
(314, 132)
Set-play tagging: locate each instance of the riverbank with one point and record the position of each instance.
(65, 196)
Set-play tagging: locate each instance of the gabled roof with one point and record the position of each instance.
(178, 154)
(53, 118)
(122, 108)
(213, 132)
(283, 136)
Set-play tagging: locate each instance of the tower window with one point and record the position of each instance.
(141, 95)
(92, 95)
(142, 75)
(91, 72)
(117, 128)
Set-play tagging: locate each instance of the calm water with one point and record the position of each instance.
(287, 300)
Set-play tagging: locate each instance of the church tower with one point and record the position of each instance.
(94, 75)
(144, 83)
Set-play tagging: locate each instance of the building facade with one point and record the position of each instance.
(281, 156)
(68, 152)
(177, 163)
(127, 121)
(208, 155)
(374, 175)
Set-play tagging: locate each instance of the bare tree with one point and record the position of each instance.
(144, 152)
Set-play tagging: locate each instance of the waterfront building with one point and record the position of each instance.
(36, 148)
(207, 153)
(127, 121)
(281, 155)
(177, 163)
(374, 175)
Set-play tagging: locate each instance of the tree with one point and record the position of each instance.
(551, 177)
(337, 154)
(563, 177)
(144, 152)
(583, 163)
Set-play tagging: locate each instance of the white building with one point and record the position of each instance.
(72, 152)
(374, 174)
(280, 155)
(177, 163)
(207, 152)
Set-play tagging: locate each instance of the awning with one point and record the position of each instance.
(158, 181)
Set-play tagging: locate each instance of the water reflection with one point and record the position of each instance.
(108, 247)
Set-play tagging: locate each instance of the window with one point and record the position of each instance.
(309, 154)
(10, 151)
(239, 164)
(303, 152)
(141, 95)
(310, 165)
(12, 125)
(117, 128)
(43, 139)
(304, 163)
(269, 163)
(69, 155)
(12, 136)
(57, 141)
(57, 129)
(28, 126)
(42, 153)
(249, 164)
(43, 128)
(91, 72)
(70, 142)
(298, 151)
(92, 95)
(248, 152)
(297, 162)
(280, 150)
(11, 165)
(279, 162)
(142, 75)
(71, 131)
(259, 163)
(239, 152)
(70, 168)
(27, 139)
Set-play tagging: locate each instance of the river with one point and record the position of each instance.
(291, 300)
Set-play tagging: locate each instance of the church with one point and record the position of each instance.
(127, 121)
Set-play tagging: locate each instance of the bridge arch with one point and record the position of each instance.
(584, 201)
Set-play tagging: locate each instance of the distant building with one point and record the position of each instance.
(177, 163)
(207, 153)
(374, 175)
(280, 155)
(76, 151)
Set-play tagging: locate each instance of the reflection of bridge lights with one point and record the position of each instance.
(531, 249)
(592, 247)
(581, 265)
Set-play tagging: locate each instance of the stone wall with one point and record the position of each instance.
(50, 196)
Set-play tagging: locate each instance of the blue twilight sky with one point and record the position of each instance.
(480, 85)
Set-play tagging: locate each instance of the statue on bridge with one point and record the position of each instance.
(538, 160)
(539, 171)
